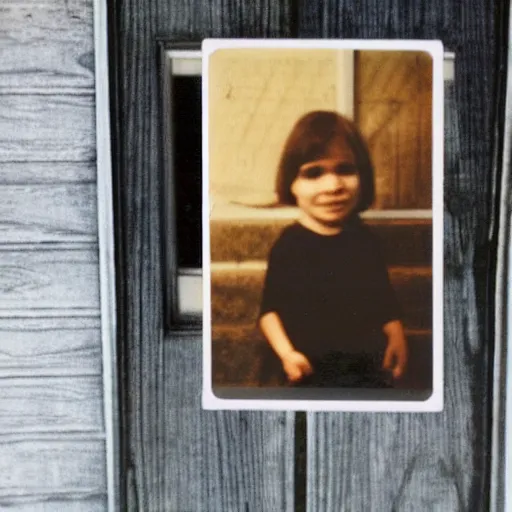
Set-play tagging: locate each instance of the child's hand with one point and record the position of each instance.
(395, 357)
(296, 366)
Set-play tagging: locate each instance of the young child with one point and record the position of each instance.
(328, 309)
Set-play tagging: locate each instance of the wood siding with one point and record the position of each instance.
(52, 433)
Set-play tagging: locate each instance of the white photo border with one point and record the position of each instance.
(434, 403)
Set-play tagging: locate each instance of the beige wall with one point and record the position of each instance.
(255, 98)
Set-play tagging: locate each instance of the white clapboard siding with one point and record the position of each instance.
(36, 347)
(49, 278)
(46, 44)
(51, 404)
(52, 431)
(35, 469)
(80, 504)
(53, 213)
(42, 128)
(52, 173)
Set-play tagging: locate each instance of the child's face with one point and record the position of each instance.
(327, 190)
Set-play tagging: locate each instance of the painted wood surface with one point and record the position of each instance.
(49, 278)
(49, 347)
(426, 461)
(355, 461)
(50, 404)
(36, 469)
(154, 415)
(247, 469)
(47, 173)
(48, 128)
(48, 213)
(52, 439)
(72, 504)
(64, 60)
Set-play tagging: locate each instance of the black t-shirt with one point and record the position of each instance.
(332, 293)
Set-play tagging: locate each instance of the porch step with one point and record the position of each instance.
(236, 293)
(238, 353)
(404, 241)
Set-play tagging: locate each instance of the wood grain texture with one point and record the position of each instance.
(47, 173)
(51, 404)
(139, 185)
(44, 128)
(67, 57)
(74, 504)
(48, 213)
(50, 368)
(394, 113)
(405, 462)
(49, 278)
(38, 347)
(248, 467)
(50, 468)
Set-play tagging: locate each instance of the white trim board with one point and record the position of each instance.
(501, 433)
(106, 254)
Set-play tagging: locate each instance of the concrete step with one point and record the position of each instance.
(236, 293)
(404, 241)
(239, 353)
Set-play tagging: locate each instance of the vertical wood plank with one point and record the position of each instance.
(393, 109)
(426, 461)
(148, 404)
(243, 452)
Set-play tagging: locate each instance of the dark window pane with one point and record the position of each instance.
(186, 127)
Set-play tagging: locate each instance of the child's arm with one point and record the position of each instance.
(395, 357)
(295, 364)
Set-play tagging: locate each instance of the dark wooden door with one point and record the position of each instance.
(177, 457)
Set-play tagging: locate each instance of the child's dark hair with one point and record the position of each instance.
(310, 140)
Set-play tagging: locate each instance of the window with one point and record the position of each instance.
(181, 94)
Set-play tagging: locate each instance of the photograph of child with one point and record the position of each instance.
(329, 311)
(319, 172)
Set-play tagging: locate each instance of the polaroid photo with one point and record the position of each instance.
(322, 225)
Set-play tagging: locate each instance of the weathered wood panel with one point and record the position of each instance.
(66, 60)
(43, 128)
(51, 404)
(48, 213)
(243, 451)
(51, 173)
(136, 24)
(78, 504)
(46, 468)
(36, 347)
(408, 462)
(49, 278)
